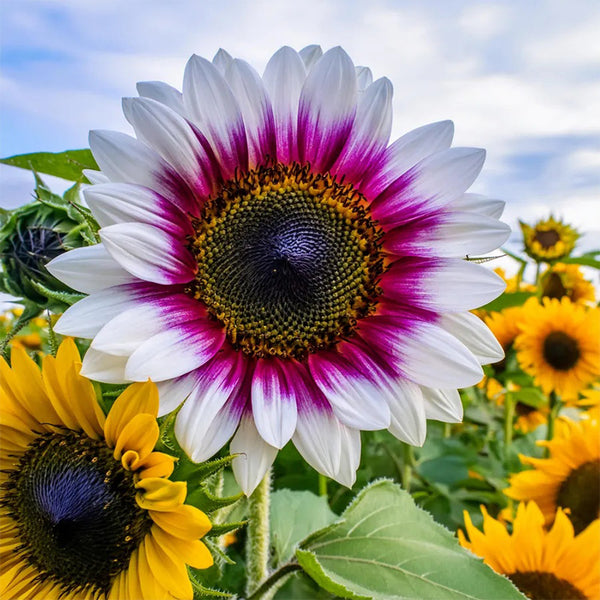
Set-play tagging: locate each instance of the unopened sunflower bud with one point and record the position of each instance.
(34, 234)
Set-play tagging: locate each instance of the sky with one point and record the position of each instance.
(519, 78)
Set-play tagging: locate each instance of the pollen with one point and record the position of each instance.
(288, 260)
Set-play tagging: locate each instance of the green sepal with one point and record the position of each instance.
(191, 471)
(201, 497)
(201, 591)
(221, 529)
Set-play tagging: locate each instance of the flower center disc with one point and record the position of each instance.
(545, 586)
(74, 506)
(580, 493)
(561, 351)
(288, 260)
(546, 237)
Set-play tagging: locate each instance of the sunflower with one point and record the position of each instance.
(569, 478)
(561, 280)
(268, 256)
(514, 283)
(559, 345)
(548, 240)
(544, 565)
(87, 509)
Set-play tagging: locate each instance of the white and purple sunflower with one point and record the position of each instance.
(274, 265)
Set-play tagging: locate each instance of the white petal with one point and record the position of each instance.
(210, 103)
(431, 184)
(480, 205)
(113, 203)
(163, 93)
(104, 367)
(95, 176)
(327, 109)
(466, 233)
(273, 403)
(173, 138)
(283, 79)
(408, 150)
(475, 335)
(85, 318)
(89, 269)
(149, 253)
(222, 60)
(174, 352)
(172, 392)
(458, 285)
(408, 412)
(364, 77)
(204, 425)
(370, 132)
(310, 55)
(256, 109)
(256, 456)
(127, 331)
(435, 358)
(122, 158)
(357, 398)
(443, 405)
(327, 445)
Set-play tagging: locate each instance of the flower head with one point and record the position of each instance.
(34, 234)
(87, 508)
(561, 280)
(559, 345)
(569, 478)
(268, 256)
(549, 239)
(542, 564)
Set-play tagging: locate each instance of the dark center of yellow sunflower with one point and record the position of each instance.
(580, 492)
(560, 351)
(523, 410)
(288, 260)
(545, 586)
(75, 510)
(546, 237)
(554, 287)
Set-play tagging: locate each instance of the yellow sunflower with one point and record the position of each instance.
(559, 345)
(514, 283)
(549, 239)
(87, 510)
(542, 564)
(561, 280)
(569, 478)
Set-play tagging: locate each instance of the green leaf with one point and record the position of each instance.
(385, 547)
(68, 165)
(294, 515)
(588, 259)
(531, 396)
(507, 300)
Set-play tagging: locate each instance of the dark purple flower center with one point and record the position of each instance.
(545, 586)
(561, 351)
(75, 510)
(580, 492)
(288, 260)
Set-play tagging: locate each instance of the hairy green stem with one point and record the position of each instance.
(322, 485)
(274, 582)
(51, 334)
(20, 323)
(407, 466)
(258, 540)
(509, 415)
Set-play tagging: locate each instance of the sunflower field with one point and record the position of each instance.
(167, 433)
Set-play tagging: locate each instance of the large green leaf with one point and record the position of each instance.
(589, 259)
(384, 547)
(68, 164)
(294, 515)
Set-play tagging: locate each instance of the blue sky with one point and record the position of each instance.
(521, 79)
